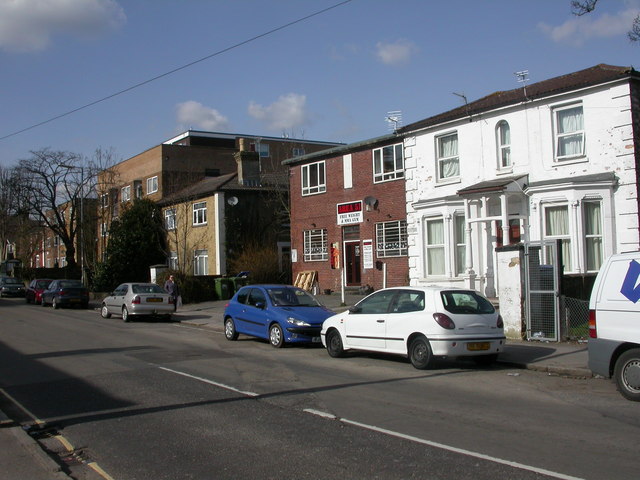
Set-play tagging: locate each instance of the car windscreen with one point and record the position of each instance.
(42, 283)
(291, 297)
(12, 281)
(465, 301)
(71, 284)
(147, 289)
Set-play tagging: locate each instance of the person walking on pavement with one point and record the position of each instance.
(171, 287)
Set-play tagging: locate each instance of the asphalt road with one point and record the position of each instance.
(151, 400)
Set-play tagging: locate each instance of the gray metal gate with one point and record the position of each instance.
(542, 291)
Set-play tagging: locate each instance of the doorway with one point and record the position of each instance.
(352, 263)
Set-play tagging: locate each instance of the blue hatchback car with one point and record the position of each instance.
(279, 313)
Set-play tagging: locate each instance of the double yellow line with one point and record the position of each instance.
(63, 441)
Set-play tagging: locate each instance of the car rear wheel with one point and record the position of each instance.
(43, 303)
(125, 314)
(104, 312)
(420, 353)
(627, 374)
(230, 332)
(55, 303)
(334, 344)
(276, 337)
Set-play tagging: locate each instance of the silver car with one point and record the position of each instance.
(137, 299)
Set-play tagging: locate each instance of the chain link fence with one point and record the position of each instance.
(576, 318)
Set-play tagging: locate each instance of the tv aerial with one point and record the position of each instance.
(394, 119)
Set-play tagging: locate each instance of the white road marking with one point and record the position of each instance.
(411, 438)
(210, 382)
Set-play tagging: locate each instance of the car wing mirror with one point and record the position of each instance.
(260, 305)
(355, 309)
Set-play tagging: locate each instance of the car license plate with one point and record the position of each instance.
(478, 346)
(156, 300)
(74, 300)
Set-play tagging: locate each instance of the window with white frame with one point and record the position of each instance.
(152, 185)
(569, 132)
(391, 239)
(125, 194)
(591, 211)
(434, 246)
(388, 163)
(104, 230)
(313, 178)
(104, 200)
(172, 260)
(459, 225)
(503, 137)
(315, 245)
(556, 227)
(170, 219)
(298, 152)
(448, 161)
(200, 213)
(200, 261)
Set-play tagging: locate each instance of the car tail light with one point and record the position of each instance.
(136, 300)
(500, 323)
(444, 321)
(593, 331)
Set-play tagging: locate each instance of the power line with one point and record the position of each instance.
(170, 72)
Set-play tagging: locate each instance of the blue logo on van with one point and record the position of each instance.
(629, 288)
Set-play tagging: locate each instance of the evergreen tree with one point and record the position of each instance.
(136, 241)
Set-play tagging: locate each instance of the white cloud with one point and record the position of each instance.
(28, 25)
(395, 53)
(285, 114)
(578, 30)
(192, 114)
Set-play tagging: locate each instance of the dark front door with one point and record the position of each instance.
(352, 262)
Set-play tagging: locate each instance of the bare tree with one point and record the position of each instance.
(582, 7)
(53, 186)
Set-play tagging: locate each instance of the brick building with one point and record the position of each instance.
(196, 177)
(348, 215)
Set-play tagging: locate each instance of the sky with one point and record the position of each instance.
(127, 75)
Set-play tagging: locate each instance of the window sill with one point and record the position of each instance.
(312, 194)
(447, 181)
(571, 160)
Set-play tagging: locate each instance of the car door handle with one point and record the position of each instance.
(380, 321)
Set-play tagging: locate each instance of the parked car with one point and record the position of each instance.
(34, 291)
(11, 287)
(65, 293)
(279, 313)
(614, 333)
(137, 299)
(421, 323)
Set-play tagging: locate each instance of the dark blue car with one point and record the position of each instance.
(280, 313)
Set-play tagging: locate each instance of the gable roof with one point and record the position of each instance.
(596, 75)
(209, 185)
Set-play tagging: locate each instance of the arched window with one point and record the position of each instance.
(503, 137)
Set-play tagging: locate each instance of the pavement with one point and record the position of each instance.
(21, 457)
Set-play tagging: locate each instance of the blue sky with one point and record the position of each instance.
(332, 77)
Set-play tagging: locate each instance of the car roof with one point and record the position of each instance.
(428, 288)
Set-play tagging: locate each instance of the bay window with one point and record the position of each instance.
(434, 255)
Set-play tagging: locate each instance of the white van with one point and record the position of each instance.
(614, 323)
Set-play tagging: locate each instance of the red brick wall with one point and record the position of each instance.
(320, 210)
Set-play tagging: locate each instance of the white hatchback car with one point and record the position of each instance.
(421, 323)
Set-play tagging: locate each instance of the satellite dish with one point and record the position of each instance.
(232, 201)
(370, 202)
